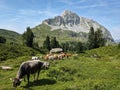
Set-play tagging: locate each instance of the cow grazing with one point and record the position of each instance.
(68, 55)
(35, 58)
(27, 68)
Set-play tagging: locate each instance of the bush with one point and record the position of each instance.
(2, 39)
(119, 45)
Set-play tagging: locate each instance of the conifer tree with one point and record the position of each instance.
(91, 38)
(65, 46)
(54, 43)
(46, 43)
(79, 47)
(28, 37)
(99, 40)
(95, 39)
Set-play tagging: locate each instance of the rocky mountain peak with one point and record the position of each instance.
(71, 21)
(66, 20)
(67, 13)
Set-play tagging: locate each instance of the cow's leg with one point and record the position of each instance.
(38, 74)
(34, 76)
(28, 77)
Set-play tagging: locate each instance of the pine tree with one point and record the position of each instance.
(79, 47)
(54, 43)
(91, 38)
(65, 46)
(46, 43)
(28, 37)
(99, 40)
(95, 39)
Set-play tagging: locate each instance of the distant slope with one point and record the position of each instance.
(103, 52)
(41, 31)
(8, 51)
(11, 36)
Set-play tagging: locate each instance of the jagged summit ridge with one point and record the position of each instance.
(71, 21)
(67, 12)
(67, 21)
(70, 18)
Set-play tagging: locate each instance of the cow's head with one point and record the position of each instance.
(46, 65)
(16, 82)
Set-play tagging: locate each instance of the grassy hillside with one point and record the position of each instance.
(8, 51)
(97, 69)
(43, 30)
(11, 36)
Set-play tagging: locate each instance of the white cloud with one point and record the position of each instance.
(31, 12)
(25, 17)
(83, 4)
(90, 6)
(4, 6)
(70, 2)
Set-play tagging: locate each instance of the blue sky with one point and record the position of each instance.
(18, 14)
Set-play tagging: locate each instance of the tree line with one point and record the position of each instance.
(95, 40)
(67, 46)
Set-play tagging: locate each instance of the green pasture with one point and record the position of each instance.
(97, 69)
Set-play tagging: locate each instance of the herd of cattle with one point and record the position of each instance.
(34, 66)
(59, 56)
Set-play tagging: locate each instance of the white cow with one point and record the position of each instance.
(35, 58)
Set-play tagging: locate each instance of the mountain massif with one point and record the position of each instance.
(66, 27)
(69, 26)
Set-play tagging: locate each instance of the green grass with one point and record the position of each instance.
(11, 36)
(8, 51)
(97, 69)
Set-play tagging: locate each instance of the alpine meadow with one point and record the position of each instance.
(63, 51)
